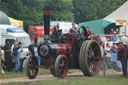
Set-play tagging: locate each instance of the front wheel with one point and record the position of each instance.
(30, 67)
(90, 58)
(61, 66)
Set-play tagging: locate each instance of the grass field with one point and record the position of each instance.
(79, 81)
(13, 74)
(76, 80)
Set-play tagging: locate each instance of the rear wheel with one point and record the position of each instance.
(90, 58)
(81, 58)
(52, 70)
(30, 67)
(61, 66)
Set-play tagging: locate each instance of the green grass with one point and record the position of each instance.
(79, 81)
(13, 74)
(71, 80)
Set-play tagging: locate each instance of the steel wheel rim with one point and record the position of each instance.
(63, 67)
(32, 68)
(94, 59)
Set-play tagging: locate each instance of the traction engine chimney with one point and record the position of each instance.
(47, 13)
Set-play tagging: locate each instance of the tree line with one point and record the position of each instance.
(30, 11)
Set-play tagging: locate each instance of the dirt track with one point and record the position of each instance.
(50, 77)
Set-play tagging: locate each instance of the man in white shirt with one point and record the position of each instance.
(124, 39)
(108, 55)
(21, 55)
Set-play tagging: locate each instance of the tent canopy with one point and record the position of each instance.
(97, 26)
(16, 22)
(109, 21)
(120, 13)
(4, 18)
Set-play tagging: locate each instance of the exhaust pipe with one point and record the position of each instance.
(47, 13)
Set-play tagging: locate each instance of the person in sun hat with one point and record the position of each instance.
(122, 57)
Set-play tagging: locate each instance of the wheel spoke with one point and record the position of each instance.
(90, 52)
(61, 66)
(31, 71)
(93, 59)
(95, 68)
(95, 49)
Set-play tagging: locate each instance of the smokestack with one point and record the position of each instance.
(47, 13)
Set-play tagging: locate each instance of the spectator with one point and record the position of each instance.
(112, 31)
(16, 55)
(73, 29)
(102, 52)
(16, 41)
(124, 39)
(1, 64)
(122, 57)
(33, 51)
(90, 34)
(7, 56)
(108, 55)
(36, 52)
(114, 37)
(114, 57)
(21, 56)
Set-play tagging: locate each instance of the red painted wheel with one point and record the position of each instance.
(61, 66)
(91, 56)
(30, 67)
(93, 62)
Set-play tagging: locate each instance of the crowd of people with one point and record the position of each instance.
(116, 55)
(17, 53)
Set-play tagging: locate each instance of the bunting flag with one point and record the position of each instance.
(119, 31)
(103, 31)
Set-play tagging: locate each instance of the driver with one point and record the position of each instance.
(73, 29)
(90, 34)
(57, 34)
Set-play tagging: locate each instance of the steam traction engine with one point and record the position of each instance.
(68, 51)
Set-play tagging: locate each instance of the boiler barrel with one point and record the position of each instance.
(46, 50)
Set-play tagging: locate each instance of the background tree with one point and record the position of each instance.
(86, 10)
(4, 7)
(30, 11)
(61, 9)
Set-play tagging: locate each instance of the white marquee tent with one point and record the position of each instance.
(120, 13)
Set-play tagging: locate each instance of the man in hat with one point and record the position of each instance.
(124, 39)
(122, 57)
